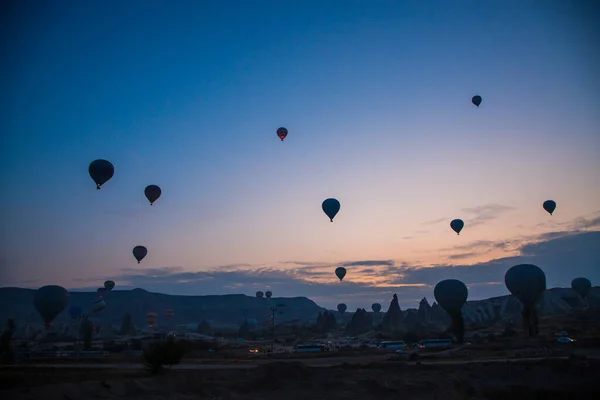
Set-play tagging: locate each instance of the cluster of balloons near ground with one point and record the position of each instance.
(526, 282)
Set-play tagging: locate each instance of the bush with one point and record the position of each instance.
(169, 352)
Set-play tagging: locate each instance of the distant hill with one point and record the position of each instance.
(220, 311)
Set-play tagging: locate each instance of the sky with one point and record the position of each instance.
(376, 96)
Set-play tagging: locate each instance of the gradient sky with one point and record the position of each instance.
(377, 99)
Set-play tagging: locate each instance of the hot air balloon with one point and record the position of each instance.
(109, 285)
(260, 294)
(582, 286)
(139, 252)
(49, 301)
(101, 171)
(151, 319)
(376, 307)
(98, 305)
(331, 207)
(476, 100)
(340, 272)
(152, 193)
(457, 225)
(282, 133)
(75, 312)
(100, 292)
(268, 294)
(549, 206)
(527, 283)
(451, 295)
(342, 308)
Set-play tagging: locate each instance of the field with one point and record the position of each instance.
(572, 378)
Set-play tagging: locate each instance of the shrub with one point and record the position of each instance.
(168, 352)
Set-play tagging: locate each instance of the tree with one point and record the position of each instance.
(244, 331)
(168, 352)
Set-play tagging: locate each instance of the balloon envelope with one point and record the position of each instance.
(340, 272)
(268, 294)
(259, 294)
(527, 282)
(582, 286)
(476, 100)
(139, 252)
(99, 305)
(109, 285)
(101, 171)
(549, 206)
(152, 193)
(451, 295)
(341, 308)
(282, 133)
(49, 301)
(331, 207)
(457, 225)
(376, 307)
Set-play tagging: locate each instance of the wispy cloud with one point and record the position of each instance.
(485, 213)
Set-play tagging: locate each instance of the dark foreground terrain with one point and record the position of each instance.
(575, 378)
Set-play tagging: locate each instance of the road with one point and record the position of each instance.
(313, 363)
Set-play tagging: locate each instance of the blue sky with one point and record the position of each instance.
(375, 94)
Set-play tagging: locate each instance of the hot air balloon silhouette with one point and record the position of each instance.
(581, 286)
(342, 308)
(101, 171)
(549, 206)
(152, 193)
(527, 282)
(49, 301)
(139, 252)
(331, 207)
(457, 225)
(282, 133)
(340, 272)
(451, 295)
(476, 100)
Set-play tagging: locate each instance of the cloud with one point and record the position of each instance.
(562, 255)
(485, 213)
(435, 221)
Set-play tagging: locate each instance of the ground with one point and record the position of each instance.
(546, 379)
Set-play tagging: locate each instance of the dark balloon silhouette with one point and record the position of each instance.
(477, 100)
(342, 308)
(109, 285)
(376, 307)
(582, 286)
(451, 295)
(260, 294)
(549, 206)
(527, 282)
(457, 225)
(75, 312)
(152, 193)
(268, 294)
(331, 207)
(49, 301)
(139, 252)
(282, 133)
(101, 171)
(340, 272)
